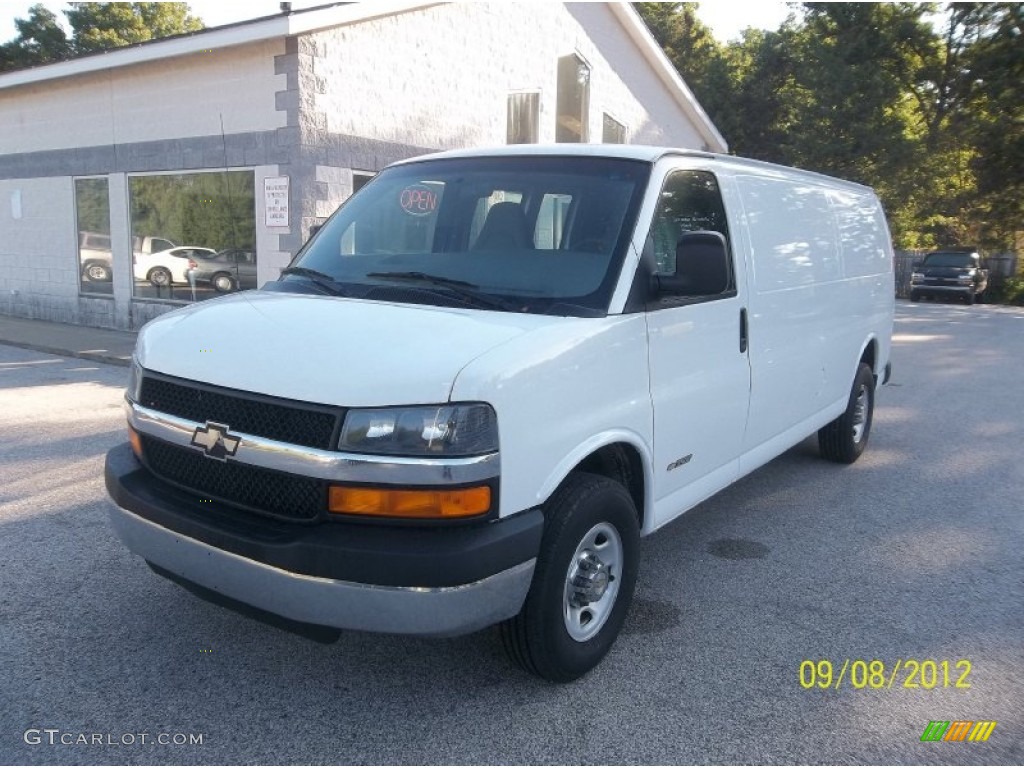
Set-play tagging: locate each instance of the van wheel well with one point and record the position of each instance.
(869, 356)
(620, 462)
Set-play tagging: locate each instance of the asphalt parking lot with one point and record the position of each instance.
(914, 553)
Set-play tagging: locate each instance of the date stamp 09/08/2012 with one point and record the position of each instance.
(877, 675)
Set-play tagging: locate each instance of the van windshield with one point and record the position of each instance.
(526, 234)
(949, 260)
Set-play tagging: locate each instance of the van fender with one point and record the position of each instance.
(575, 457)
(872, 338)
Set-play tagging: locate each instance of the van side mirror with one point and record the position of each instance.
(702, 266)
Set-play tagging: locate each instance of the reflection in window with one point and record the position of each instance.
(573, 105)
(92, 211)
(793, 226)
(612, 131)
(523, 118)
(188, 232)
(554, 209)
(860, 234)
(690, 201)
(403, 224)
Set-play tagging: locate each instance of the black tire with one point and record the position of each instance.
(539, 639)
(223, 282)
(979, 298)
(841, 440)
(160, 277)
(96, 272)
(915, 296)
(969, 299)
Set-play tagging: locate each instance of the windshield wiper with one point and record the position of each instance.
(465, 290)
(321, 279)
(423, 277)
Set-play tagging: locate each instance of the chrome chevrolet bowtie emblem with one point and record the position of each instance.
(215, 441)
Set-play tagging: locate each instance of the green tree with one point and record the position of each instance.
(686, 40)
(994, 120)
(94, 27)
(40, 40)
(101, 26)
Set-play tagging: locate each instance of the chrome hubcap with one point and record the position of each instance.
(860, 414)
(592, 582)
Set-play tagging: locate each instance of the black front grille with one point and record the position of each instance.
(262, 490)
(242, 412)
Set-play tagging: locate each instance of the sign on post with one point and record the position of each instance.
(275, 190)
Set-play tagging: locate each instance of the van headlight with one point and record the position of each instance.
(965, 279)
(916, 277)
(435, 430)
(134, 388)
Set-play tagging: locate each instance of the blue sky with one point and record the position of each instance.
(724, 17)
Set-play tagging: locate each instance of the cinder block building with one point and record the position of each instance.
(129, 178)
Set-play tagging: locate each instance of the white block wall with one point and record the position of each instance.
(39, 250)
(180, 97)
(440, 77)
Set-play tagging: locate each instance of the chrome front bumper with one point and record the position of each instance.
(436, 611)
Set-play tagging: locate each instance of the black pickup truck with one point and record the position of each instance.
(949, 274)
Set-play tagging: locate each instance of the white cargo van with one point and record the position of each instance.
(488, 375)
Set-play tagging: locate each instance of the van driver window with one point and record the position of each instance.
(690, 201)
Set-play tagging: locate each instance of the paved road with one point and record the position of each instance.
(912, 553)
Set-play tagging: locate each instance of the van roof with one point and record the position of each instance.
(641, 152)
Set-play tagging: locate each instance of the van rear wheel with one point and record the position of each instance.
(844, 439)
(583, 583)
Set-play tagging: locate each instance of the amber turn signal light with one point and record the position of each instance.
(136, 441)
(383, 502)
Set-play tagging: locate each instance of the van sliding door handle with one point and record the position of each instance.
(743, 330)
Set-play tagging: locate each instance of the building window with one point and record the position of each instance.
(92, 212)
(612, 131)
(573, 106)
(523, 118)
(360, 179)
(193, 234)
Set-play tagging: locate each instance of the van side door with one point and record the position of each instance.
(700, 374)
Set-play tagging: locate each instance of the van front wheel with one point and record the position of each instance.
(844, 439)
(583, 583)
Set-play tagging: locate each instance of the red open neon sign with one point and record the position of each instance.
(418, 200)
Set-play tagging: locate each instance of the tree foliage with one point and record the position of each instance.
(929, 114)
(41, 38)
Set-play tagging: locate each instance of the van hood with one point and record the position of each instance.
(323, 349)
